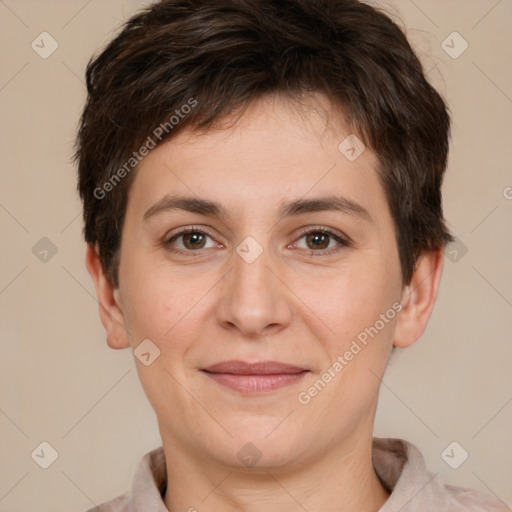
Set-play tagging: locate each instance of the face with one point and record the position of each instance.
(284, 251)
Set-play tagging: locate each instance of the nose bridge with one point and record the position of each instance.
(251, 276)
(251, 264)
(254, 298)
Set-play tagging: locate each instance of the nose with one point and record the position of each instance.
(255, 299)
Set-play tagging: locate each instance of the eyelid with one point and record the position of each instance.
(324, 229)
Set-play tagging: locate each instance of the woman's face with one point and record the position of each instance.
(267, 275)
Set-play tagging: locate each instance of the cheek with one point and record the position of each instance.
(159, 305)
(361, 309)
(352, 300)
(163, 310)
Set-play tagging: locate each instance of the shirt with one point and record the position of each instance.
(398, 464)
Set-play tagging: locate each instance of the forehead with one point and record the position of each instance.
(276, 149)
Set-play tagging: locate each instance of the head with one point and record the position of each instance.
(251, 114)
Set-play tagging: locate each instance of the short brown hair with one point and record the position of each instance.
(218, 56)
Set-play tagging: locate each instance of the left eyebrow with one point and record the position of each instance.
(292, 208)
(326, 203)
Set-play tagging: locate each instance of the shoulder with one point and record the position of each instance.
(401, 468)
(462, 499)
(119, 504)
(148, 483)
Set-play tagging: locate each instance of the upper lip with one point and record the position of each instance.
(261, 368)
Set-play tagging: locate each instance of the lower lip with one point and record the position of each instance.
(256, 383)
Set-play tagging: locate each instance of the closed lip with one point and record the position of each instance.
(260, 368)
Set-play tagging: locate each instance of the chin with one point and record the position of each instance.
(261, 447)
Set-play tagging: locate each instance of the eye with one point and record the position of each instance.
(321, 241)
(192, 239)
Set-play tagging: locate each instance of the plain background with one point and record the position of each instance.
(59, 381)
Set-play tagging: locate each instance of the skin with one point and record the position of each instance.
(290, 304)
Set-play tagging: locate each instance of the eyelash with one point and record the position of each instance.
(324, 252)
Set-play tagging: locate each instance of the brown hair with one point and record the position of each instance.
(190, 63)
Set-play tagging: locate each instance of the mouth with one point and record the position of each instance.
(250, 378)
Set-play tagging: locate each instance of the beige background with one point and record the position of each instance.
(61, 384)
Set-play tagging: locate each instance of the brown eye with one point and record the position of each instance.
(318, 240)
(188, 241)
(195, 240)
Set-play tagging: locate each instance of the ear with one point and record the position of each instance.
(111, 312)
(418, 299)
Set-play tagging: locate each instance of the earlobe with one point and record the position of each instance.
(111, 313)
(418, 299)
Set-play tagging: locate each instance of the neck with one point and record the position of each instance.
(340, 480)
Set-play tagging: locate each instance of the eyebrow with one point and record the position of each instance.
(292, 208)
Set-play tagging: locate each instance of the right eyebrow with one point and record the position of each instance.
(190, 204)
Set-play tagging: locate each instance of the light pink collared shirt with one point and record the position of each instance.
(398, 463)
